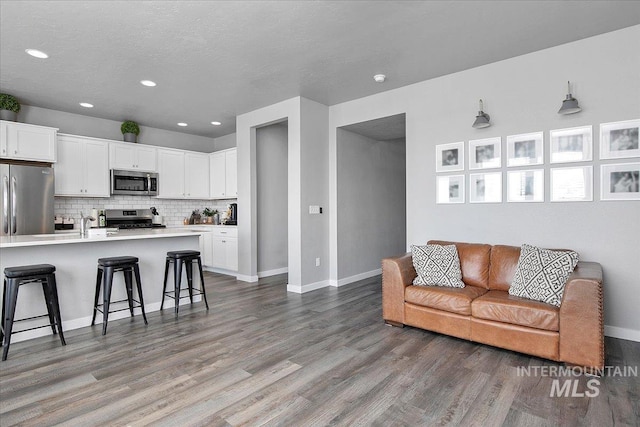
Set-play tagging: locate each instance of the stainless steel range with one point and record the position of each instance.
(130, 218)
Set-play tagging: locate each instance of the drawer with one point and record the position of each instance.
(225, 232)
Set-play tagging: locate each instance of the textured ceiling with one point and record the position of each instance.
(214, 60)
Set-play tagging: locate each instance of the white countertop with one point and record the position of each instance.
(74, 237)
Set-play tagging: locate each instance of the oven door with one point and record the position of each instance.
(134, 183)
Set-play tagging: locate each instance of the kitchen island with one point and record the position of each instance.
(76, 260)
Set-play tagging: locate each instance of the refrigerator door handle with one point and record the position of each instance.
(14, 225)
(5, 204)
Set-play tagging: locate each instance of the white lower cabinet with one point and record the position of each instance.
(219, 248)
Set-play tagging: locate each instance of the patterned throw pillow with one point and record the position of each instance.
(542, 273)
(437, 265)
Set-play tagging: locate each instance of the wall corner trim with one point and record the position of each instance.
(246, 278)
(301, 289)
(356, 277)
(622, 333)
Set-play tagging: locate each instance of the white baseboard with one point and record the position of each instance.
(246, 278)
(307, 288)
(622, 333)
(355, 278)
(274, 272)
(83, 322)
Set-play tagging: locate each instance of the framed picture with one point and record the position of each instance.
(485, 153)
(525, 186)
(450, 157)
(619, 139)
(525, 149)
(620, 181)
(485, 187)
(450, 189)
(571, 145)
(573, 184)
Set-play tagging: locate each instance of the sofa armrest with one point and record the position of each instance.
(397, 274)
(582, 317)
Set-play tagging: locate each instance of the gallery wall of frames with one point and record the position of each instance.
(570, 165)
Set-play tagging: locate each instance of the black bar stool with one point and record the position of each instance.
(128, 265)
(187, 258)
(14, 277)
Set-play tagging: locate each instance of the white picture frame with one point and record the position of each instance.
(485, 153)
(620, 181)
(619, 140)
(571, 145)
(450, 189)
(450, 157)
(485, 187)
(571, 184)
(525, 149)
(525, 185)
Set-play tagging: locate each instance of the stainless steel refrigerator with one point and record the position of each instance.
(27, 200)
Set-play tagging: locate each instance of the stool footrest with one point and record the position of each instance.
(196, 292)
(136, 305)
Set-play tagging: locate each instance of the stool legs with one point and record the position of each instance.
(136, 271)
(95, 299)
(11, 293)
(55, 304)
(189, 267)
(107, 282)
(47, 300)
(177, 276)
(164, 287)
(129, 287)
(204, 294)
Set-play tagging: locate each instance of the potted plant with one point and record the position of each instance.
(209, 213)
(9, 107)
(130, 130)
(195, 217)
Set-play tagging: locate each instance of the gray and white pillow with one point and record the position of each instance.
(437, 265)
(542, 273)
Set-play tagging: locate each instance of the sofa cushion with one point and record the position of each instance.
(542, 273)
(504, 260)
(474, 261)
(453, 300)
(436, 265)
(499, 306)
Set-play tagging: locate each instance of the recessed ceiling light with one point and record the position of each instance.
(86, 105)
(182, 124)
(37, 53)
(216, 123)
(379, 78)
(148, 83)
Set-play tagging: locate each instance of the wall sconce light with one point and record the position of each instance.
(482, 119)
(570, 104)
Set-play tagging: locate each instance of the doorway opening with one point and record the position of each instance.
(272, 198)
(371, 196)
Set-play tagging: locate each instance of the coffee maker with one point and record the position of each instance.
(233, 218)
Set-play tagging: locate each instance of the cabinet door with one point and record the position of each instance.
(69, 170)
(218, 175)
(30, 142)
(4, 137)
(146, 159)
(96, 169)
(232, 254)
(207, 249)
(231, 173)
(122, 156)
(171, 174)
(219, 252)
(196, 185)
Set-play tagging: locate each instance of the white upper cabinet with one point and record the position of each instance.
(196, 182)
(129, 156)
(224, 174)
(171, 174)
(82, 169)
(23, 141)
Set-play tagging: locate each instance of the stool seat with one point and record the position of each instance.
(183, 254)
(28, 270)
(117, 261)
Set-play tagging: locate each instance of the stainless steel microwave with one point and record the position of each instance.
(134, 183)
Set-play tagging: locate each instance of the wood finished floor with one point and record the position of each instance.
(262, 356)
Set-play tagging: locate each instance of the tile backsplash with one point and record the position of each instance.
(173, 211)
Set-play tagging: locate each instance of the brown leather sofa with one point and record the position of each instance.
(484, 312)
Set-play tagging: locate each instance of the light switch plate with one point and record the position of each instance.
(314, 209)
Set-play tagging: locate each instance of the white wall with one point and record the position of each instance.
(371, 204)
(77, 124)
(522, 94)
(271, 180)
(224, 142)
